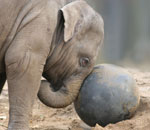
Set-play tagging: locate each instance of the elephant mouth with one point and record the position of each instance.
(56, 86)
(56, 83)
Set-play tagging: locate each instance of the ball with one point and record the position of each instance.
(108, 95)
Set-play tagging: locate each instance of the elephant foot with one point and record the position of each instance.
(18, 127)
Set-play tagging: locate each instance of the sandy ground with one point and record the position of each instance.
(44, 118)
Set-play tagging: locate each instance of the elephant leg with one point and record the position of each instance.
(24, 77)
(25, 59)
(2, 81)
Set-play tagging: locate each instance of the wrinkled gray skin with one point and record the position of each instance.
(56, 39)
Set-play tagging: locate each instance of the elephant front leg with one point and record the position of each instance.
(24, 77)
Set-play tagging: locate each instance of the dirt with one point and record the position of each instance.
(44, 118)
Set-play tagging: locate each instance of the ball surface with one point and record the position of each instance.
(108, 95)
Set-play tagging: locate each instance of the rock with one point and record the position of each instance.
(108, 95)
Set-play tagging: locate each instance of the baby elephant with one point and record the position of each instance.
(56, 39)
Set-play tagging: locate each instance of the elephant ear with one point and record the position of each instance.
(72, 15)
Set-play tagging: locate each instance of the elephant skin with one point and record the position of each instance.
(56, 39)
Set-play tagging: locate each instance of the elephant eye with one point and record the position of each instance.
(84, 61)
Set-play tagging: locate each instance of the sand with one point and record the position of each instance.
(44, 118)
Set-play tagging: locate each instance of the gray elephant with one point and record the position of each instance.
(56, 39)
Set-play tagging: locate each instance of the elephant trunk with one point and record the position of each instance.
(61, 98)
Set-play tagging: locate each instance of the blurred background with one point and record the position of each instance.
(127, 32)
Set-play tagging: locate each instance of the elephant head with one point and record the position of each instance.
(76, 41)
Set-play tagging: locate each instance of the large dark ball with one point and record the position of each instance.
(108, 95)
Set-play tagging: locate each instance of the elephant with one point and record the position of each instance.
(58, 40)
